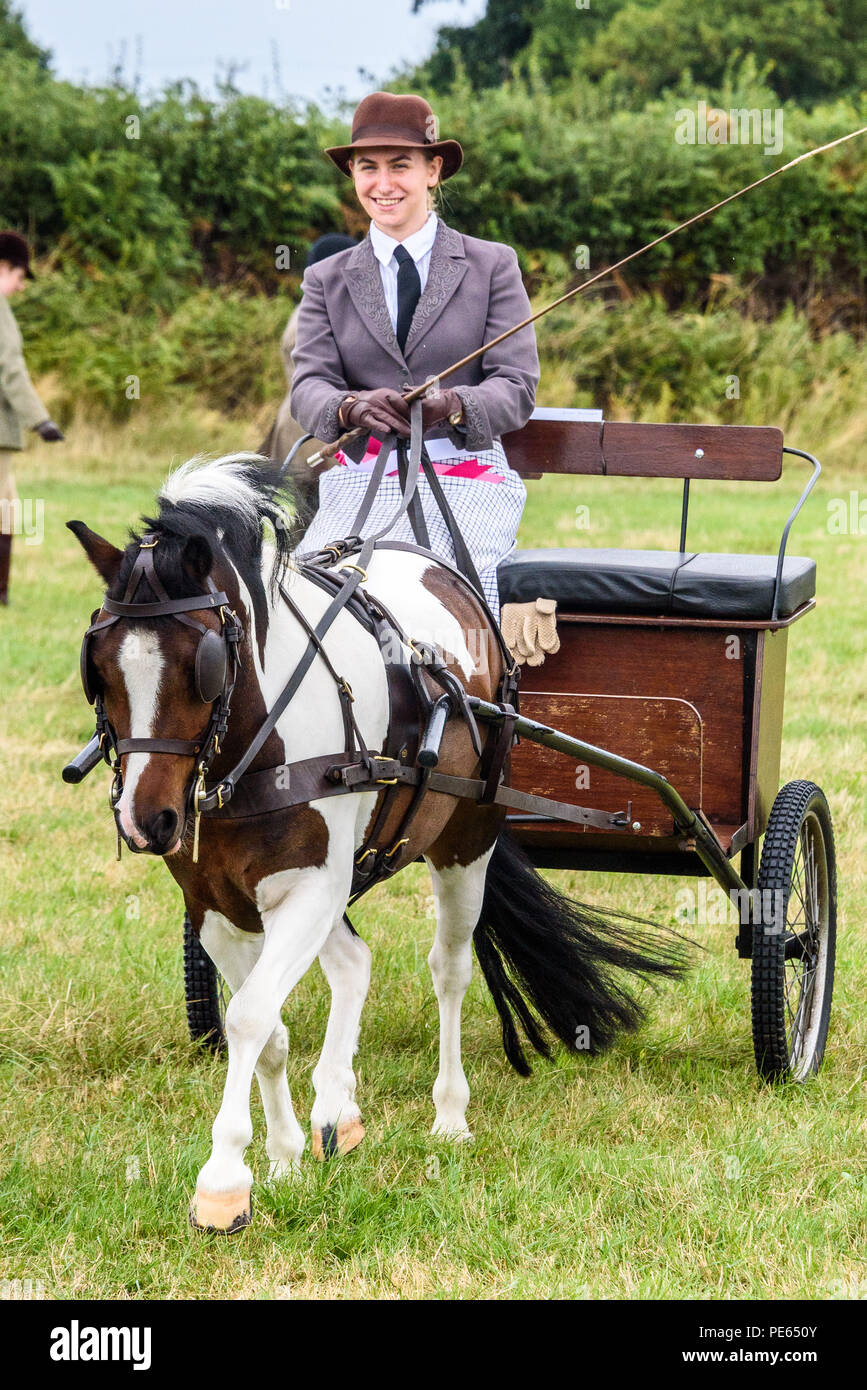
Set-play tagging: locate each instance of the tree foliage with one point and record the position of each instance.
(172, 230)
(15, 39)
(814, 50)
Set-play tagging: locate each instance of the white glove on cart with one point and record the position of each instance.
(530, 630)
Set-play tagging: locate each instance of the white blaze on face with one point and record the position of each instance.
(141, 664)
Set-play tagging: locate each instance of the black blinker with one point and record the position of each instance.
(210, 667)
(88, 681)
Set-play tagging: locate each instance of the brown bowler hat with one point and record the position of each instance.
(14, 249)
(386, 119)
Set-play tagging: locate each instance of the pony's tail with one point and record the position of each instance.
(540, 951)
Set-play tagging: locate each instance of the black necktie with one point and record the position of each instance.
(408, 292)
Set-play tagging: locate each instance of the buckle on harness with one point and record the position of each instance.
(383, 758)
(362, 572)
(421, 656)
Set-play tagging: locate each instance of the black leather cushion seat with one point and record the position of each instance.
(657, 582)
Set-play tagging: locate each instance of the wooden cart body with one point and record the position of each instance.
(673, 660)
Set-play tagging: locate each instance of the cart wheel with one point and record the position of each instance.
(794, 935)
(206, 992)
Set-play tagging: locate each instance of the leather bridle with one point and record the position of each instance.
(310, 780)
(216, 671)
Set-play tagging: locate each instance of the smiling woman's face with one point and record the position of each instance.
(392, 184)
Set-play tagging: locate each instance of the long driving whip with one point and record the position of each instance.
(432, 385)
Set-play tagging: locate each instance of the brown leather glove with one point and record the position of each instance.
(382, 411)
(438, 407)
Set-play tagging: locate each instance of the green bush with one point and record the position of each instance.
(226, 348)
(221, 346)
(544, 171)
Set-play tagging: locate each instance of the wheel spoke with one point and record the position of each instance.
(797, 882)
(801, 1019)
(798, 946)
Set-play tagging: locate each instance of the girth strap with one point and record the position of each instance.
(499, 753)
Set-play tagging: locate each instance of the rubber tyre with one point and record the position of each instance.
(794, 936)
(205, 992)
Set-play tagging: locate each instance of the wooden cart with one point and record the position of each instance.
(676, 662)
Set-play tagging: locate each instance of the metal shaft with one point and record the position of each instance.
(707, 847)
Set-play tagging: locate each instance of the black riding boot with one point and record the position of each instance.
(5, 560)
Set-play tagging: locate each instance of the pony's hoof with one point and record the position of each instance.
(454, 1134)
(337, 1139)
(281, 1169)
(225, 1212)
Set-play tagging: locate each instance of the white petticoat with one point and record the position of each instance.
(487, 512)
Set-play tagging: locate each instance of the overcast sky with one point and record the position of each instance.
(319, 44)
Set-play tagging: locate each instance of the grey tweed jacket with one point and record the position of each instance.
(346, 341)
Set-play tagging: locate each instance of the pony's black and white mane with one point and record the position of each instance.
(223, 504)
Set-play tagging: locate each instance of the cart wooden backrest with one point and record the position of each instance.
(554, 441)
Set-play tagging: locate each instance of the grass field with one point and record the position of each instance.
(661, 1170)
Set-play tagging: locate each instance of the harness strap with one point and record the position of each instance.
(431, 662)
(352, 733)
(408, 476)
(463, 559)
(290, 784)
(426, 658)
(513, 670)
(179, 606)
(350, 584)
(402, 739)
(208, 740)
(184, 747)
(414, 509)
(499, 753)
(175, 607)
(378, 471)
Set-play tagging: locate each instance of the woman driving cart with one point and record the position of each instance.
(386, 316)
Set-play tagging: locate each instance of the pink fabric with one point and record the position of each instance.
(462, 468)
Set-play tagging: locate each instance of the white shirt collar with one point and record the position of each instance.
(417, 245)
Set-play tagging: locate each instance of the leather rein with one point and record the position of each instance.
(244, 793)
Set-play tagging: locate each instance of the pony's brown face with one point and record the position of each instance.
(150, 693)
(145, 670)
